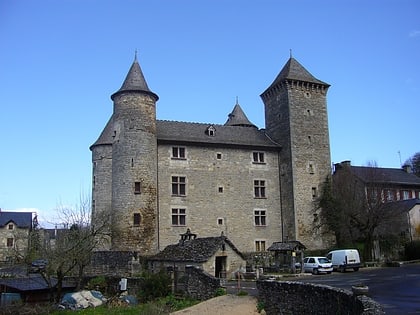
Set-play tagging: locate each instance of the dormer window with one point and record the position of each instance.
(211, 131)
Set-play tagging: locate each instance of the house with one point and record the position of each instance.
(391, 194)
(386, 184)
(215, 255)
(14, 234)
(152, 179)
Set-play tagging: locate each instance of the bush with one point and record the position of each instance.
(220, 292)
(98, 283)
(155, 285)
(412, 250)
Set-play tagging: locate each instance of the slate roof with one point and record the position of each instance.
(385, 175)
(238, 118)
(197, 250)
(34, 282)
(21, 219)
(286, 246)
(401, 206)
(293, 70)
(135, 81)
(195, 133)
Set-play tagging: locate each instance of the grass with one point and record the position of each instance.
(162, 306)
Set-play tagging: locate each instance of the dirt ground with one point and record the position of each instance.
(223, 305)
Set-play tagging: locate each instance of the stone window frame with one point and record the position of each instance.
(178, 185)
(10, 226)
(260, 245)
(178, 216)
(260, 217)
(220, 221)
(136, 219)
(179, 153)
(10, 242)
(260, 189)
(137, 187)
(258, 157)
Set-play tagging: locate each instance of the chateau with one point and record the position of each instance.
(154, 179)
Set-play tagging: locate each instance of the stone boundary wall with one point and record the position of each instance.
(199, 284)
(114, 263)
(289, 297)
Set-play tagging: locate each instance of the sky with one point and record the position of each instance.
(60, 61)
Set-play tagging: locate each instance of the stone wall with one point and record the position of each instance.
(114, 263)
(200, 285)
(289, 297)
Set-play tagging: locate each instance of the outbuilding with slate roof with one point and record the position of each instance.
(217, 256)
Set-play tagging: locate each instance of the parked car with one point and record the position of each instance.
(317, 265)
(343, 259)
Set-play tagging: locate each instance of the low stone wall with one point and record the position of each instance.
(114, 263)
(200, 285)
(289, 297)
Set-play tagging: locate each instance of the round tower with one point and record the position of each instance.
(134, 166)
(296, 118)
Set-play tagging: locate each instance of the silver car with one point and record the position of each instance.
(317, 265)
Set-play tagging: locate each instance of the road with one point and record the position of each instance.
(397, 289)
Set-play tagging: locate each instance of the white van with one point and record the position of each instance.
(343, 259)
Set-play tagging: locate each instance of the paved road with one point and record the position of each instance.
(397, 289)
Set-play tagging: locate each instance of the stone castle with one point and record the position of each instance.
(154, 179)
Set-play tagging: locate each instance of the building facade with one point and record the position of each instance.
(153, 179)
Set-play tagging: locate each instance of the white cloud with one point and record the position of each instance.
(414, 33)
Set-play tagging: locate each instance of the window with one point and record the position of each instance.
(137, 187)
(260, 217)
(10, 226)
(211, 131)
(311, 168)
(220, 189)
(178, 217)
(93, 182)
(314, 193)
(178, 185)
(260, 246)
(136, 219)
(259, 188)
(258, 157)
(219, 156)
(178, 152)
(220, 221)
(10, 242)
(406, 194)
(389, 195)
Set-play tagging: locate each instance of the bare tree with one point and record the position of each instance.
(73, 247)
(353, 206)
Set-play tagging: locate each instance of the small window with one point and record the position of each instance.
(137, 187)
(178, 153)
(220, 221)
(220, 189)
(260, 246)
(314, 193)
(136, 219)
(211, 131)
(178, 217)
(311, 168)
(260, 218)
(258, 157)
(406, 194)
(93, 182)
(219, 156)
(10, 242)
(10, 226)
(178, 185)
(259, 188)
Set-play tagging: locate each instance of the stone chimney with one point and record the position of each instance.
(407, 168)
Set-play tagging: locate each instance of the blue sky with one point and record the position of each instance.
(61, 61)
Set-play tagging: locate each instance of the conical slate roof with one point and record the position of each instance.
(293, 70)
(238, 118)
(135, 82)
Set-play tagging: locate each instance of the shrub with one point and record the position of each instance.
(155, 285)
(220, 292)
(98, 283)
(412, 250)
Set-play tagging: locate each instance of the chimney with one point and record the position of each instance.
(407, 168)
